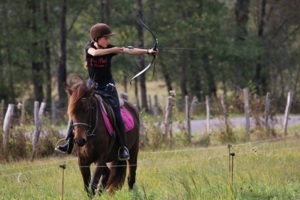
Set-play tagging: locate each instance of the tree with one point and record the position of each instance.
(142, 77)
(62, 71)
(36, 50)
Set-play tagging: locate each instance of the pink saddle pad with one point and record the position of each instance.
(127, 119)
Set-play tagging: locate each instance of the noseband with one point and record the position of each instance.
(89, 125)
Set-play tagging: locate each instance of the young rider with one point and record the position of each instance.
(99, 53)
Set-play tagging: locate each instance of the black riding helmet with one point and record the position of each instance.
(100, 30)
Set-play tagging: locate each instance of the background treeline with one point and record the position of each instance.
(206, 47)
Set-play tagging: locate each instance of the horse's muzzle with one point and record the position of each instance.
(80, 142)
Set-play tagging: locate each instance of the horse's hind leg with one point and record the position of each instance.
(132, 165)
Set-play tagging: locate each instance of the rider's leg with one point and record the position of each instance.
(113, 100)
(68, 146)
(123, 152)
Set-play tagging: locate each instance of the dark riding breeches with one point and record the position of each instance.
(110, 92)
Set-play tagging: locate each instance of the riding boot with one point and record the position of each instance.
(68, 146)
(123, 152)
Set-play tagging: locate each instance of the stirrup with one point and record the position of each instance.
(124, 149)
(59, 150)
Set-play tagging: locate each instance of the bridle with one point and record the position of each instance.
(89, 125)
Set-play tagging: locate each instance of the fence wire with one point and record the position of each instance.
(161, 158)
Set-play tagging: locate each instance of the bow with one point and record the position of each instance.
(154, 48)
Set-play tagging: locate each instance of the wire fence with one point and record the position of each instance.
(164, 155)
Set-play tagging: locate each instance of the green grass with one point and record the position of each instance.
(262, 170)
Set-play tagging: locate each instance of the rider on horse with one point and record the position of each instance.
(99, 53)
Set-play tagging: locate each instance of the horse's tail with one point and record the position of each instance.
(117, 175)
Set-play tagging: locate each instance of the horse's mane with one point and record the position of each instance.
(79, 90)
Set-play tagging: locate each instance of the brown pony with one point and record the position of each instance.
(95, 145)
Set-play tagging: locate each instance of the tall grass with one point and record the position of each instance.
(262, 170)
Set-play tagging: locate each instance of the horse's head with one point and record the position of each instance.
(82, 110)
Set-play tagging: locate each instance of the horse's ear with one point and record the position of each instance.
(91, 89)
(67, 89)
(92, 86)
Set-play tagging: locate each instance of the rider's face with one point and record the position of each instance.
(103, 41)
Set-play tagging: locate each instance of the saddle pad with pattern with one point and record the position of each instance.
(127, 119)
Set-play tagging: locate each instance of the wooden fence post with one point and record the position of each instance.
(207, 115)
(38, 118)
(168, 120)
(287, 111)
(193, 104)
(53, 112)
(247, 111)
(143, 134)
(124, 95)
(2, 109)
(6, 126)
(149, 104)
(224, 106)
(155, 107)
(23, 110)
(267, 110)
(136, 95)
(188, 118)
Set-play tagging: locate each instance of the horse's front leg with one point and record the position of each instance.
(132, 165)
(85, 173)
(100, 168)
(105, 176)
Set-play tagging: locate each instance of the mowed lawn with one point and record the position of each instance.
(261, 170)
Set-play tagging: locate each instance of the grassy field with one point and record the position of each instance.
(261, 170)
(264, 169)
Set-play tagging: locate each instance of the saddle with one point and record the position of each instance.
(109, 116)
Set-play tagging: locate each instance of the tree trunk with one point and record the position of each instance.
(47, 57)
(260, 79)
(11, 93)
(108, 6)
(36, 56)
(183, 86)
(196, 85)
(241, 16)
(11, 79)
(166, 77)
(62, 71)
(102, 12)
(141, 61)
(125, 81)
(212, 89)
(105, 11)
(136, 94)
